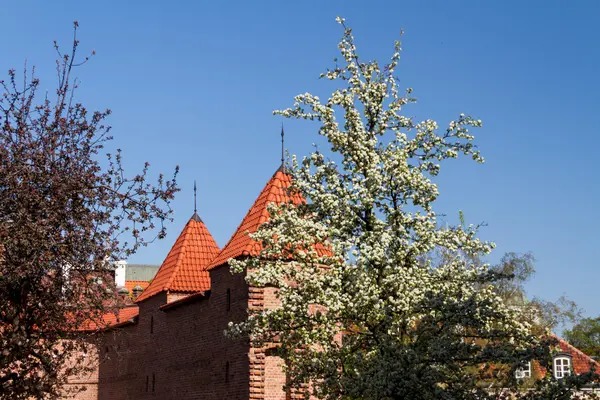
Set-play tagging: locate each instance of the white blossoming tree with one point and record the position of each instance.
(373, 317)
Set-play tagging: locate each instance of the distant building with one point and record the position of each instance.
(132, 279)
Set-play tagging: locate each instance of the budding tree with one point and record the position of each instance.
(374, 317)
(66, 214)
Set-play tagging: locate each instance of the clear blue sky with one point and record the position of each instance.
(194, 83)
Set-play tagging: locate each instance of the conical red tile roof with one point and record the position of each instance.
(184, 269)
(240, 243)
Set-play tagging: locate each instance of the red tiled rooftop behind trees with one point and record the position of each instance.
(184, 268)
(112, 318)
(581, 362)
(129, 285)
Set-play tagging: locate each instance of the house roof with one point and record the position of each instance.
(580, 361)
(184, 268)
(129, 285)
(112, 319)
(240, 244)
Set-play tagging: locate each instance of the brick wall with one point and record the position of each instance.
(85, 385)
(180, 353)
(274, 379)
(266, 376)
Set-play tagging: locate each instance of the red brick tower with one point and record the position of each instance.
(266, 376)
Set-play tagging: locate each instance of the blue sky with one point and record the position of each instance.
(194, 84)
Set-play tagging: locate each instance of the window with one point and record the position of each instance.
(227, 372)
(147, 383)
(524, 371)
(562, 367)
(153, 381)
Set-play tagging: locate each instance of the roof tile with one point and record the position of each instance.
(581, 362)
(111, 318)
(129, 285)
(184, 268)
(275, 191)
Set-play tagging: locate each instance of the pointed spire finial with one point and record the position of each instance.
(195, 197)
(195, 217)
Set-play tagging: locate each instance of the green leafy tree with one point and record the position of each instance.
(409, 328)
(585, 336)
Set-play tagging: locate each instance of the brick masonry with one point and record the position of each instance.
(183, 353)
(180, 351)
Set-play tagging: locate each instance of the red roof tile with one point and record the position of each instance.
(184, 269)
(581, 362)
(240, 243)
(129, 285)
(112, 319)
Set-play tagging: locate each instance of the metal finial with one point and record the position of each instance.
(282, 145)
(195, 217)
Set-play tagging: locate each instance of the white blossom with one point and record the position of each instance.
(412, 329)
